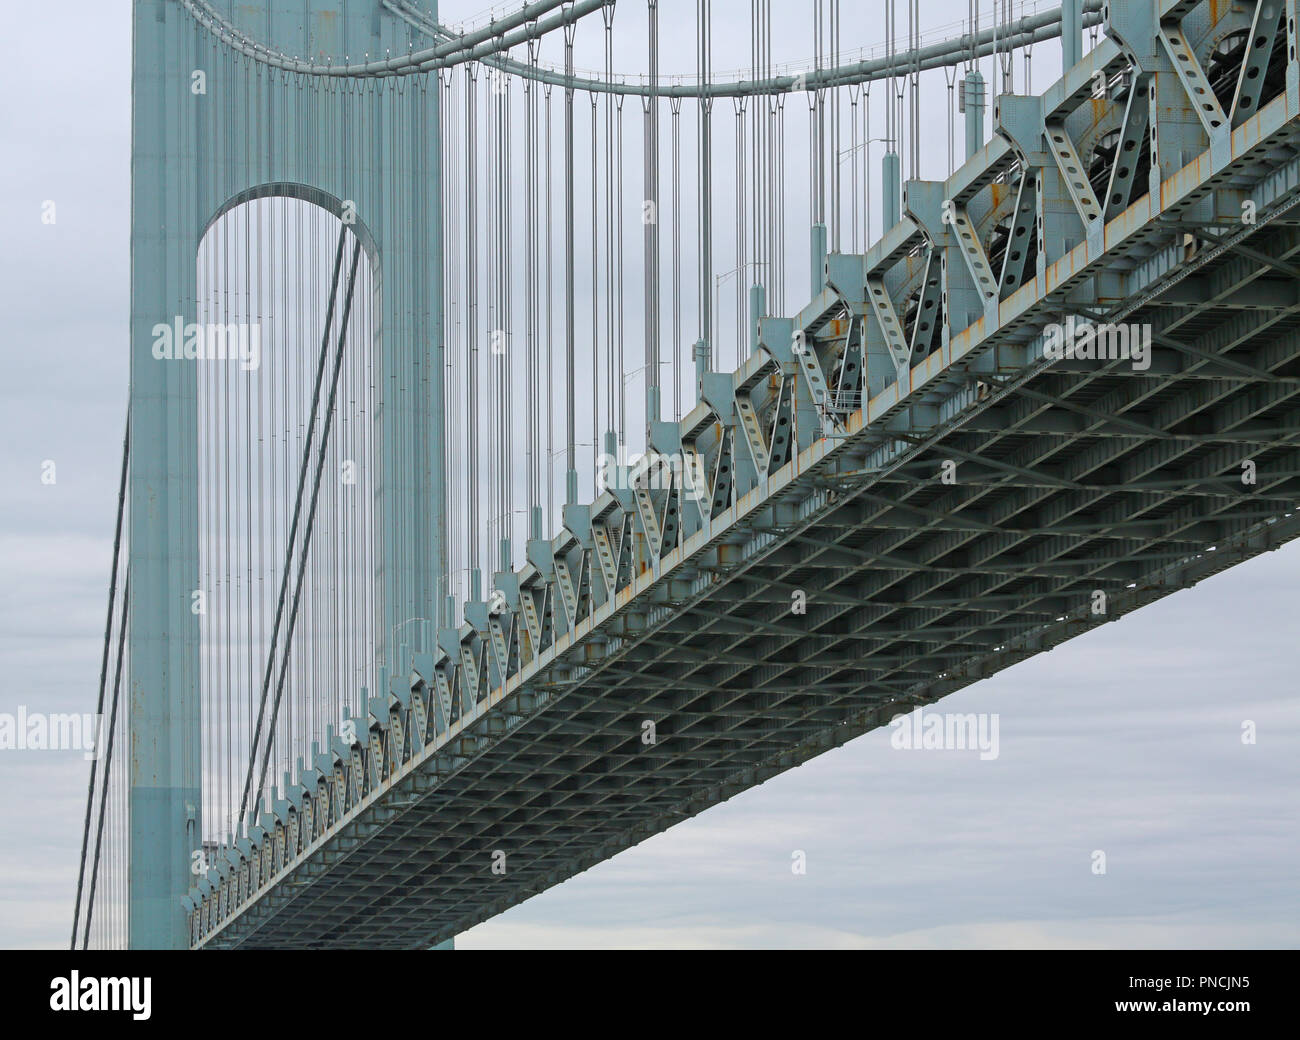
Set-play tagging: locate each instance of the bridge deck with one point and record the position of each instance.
(1070, 477)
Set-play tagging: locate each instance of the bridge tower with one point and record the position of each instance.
(213, 128)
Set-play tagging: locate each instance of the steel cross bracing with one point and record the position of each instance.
(523, 735)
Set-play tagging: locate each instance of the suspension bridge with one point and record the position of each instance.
(450, 562)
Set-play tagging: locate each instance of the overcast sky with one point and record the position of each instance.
(1126, 740)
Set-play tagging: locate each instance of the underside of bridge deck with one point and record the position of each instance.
(1070, 479)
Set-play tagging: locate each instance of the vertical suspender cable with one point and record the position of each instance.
(532, 443)
(741, 233)
(834, 154)
(506, 426)
(550, 326)
(814, 137)
(866, 167)
(595, 305)
(492, 159)
(704, 39)
(675, 108)
(533, 384)
(949, 75)
(570, 370)
(854, 91)
(475, 476)
(754, 156)
(778, 253)
(771, 157)
(507, 382)
(613, 366)
(914, 25)
(650, 222)
(618, 269)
